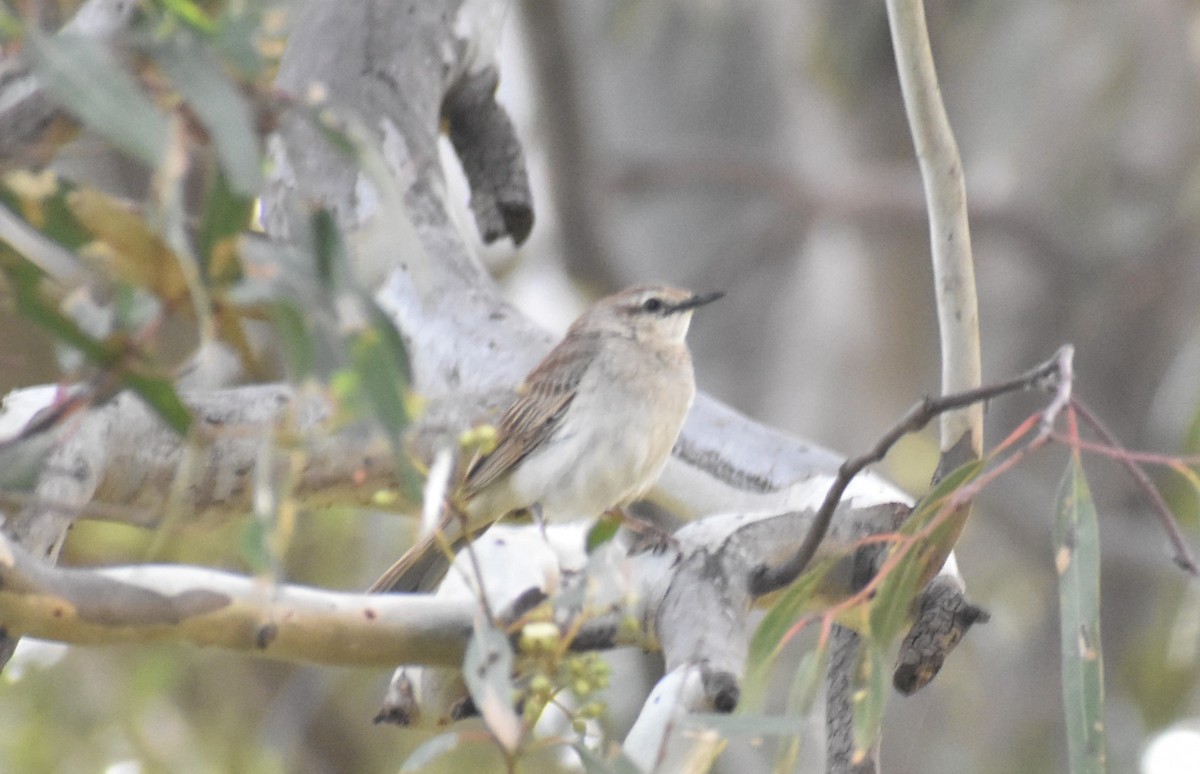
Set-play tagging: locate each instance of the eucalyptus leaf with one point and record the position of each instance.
(778, 624)
(806, 684)
(381, 373)
(42, 201)
(203, 83)
(870, 692)
(26, 281)
(160, 394)
(158, 391)
(891, 607)
(299, 353)
(89, 82)
(1077, 560)
(190, 14)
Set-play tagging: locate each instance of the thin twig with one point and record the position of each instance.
(767, 579)
(1183, 555)
(1144, 457)
(469, 547)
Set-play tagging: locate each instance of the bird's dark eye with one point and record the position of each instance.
(653, 304)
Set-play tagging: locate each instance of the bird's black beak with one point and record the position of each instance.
(697, 299)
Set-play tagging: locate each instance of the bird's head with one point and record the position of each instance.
(647, 312)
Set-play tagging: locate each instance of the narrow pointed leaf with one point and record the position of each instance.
(777, 625)
(191, 14)
(299, 353)
(380, 362)
(891, 607)
(932, 503)
(26, 281)
(209, 92)
(125, 245)
(89, 82)
(226, 215)
(870, 693)
(1077, 560)
(806, 684)
(159, 393)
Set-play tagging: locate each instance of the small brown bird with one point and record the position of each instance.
(591, 429)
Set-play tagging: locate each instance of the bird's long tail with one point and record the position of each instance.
(423, 566)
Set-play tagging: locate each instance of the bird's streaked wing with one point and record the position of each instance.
(533, 417)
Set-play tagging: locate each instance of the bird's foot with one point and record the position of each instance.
(650, 537)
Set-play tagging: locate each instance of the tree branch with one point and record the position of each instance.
(157, 603)
(1183, 557)
(949, 231)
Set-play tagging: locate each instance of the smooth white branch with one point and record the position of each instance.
(208, 608)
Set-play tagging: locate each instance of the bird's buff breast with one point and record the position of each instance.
(610, 449)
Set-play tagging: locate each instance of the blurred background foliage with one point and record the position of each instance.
(759, 148)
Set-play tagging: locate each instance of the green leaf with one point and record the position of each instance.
(41, 200)
(1077, 560)
(89, 82)
(777, 625)
(891, 607)
(487, 671)
(238, 42)
(190, 14)
(806, 685)
(226, 215)
(10, 26)
(870, 692)
(381, 370)
(26, 281)
(327, 249)
(931, 504)
(202, 82)
(390, 338)
(159, 393)
(604, 530)
(1159, 670)
(299, 352)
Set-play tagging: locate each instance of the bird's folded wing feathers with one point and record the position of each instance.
(532, 418)
(538, 411)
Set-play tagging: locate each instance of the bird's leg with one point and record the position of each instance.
(650, 537)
